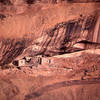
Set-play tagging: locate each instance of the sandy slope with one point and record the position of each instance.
(50, 83)
(23, 87)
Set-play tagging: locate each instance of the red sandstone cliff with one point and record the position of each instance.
(50, 28)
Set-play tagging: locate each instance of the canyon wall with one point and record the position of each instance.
(46, 29)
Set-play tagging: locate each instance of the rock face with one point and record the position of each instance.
(49, 36)
(9, 49)
(62, 38)
(50, 30)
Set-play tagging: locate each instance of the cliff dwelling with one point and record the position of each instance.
(49, 49)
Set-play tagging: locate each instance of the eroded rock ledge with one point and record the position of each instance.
(63, 38)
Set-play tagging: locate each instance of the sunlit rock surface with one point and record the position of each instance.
(51, 29)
